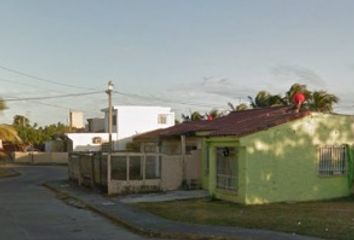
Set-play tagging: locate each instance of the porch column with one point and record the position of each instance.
(183, 154)
(109, 173)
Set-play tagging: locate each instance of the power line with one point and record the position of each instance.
(42, 79)
(52, 97)
(42, 103)
(133, 95)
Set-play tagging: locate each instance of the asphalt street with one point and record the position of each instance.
(30, 211)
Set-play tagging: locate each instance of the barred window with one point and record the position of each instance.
(332, 160)
(226, 168)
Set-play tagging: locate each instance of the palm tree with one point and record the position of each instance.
(295, 88)
(21, 121)
(194, 116)
(241, 107)
(322, 101)
(231, 106)
(266, 99)
(7, 132)
(214, 113)
(2, 105)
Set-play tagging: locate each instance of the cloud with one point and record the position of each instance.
(297, 74)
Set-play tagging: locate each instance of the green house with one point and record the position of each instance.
(277, 155)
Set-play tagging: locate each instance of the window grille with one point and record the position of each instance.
(226, 169)
(332, 160)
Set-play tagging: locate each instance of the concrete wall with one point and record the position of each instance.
(281, 163)
(171, 172)
(81, 168)
(83, 142)
(41, 157)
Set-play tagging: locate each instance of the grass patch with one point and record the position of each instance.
(7, 172)
(327, 219)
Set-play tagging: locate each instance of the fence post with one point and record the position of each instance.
(128, 166)
(109, 172)
(143, 159)
(80, 170)
(92, 158)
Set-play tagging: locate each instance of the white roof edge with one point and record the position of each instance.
(135, 106)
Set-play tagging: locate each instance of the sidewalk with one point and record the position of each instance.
(151, 225)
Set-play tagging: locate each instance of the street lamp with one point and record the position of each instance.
(109, 92)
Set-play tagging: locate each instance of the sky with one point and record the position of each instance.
(186, 54)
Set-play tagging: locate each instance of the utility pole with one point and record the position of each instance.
(109, 92)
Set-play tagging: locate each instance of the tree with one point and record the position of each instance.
(2, 105)
(194, 116)
(7, 132)
(241, 107)
(232, 107)
(295, 88)
(266, 99)
(20, 120)
(214, 113)
(321, 101)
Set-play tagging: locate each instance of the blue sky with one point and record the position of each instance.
(187, 54)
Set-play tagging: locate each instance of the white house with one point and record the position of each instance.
(132, 120)
(127, 122)
(95, 125)
(76, 119)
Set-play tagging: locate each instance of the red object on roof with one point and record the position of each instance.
(299, 98)
(210, 118)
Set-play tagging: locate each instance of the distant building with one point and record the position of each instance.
(95, 125)
(128, 121)
(76, 119)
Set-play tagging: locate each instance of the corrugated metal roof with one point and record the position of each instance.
(238, 123)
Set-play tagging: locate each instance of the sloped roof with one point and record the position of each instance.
(238, 123)
(250, 121)
(178, 129)
(148, 135)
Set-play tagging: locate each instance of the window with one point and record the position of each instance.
(119, 167)
(226, 168)
(135, 168)
(190, 148)
(97, 140)
(150, 148)
(152, 167)
(332, 160)
(114, 120)
(162, 119)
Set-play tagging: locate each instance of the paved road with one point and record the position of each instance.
(30, 211)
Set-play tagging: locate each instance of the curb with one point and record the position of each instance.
(13, 173)
(135, 229)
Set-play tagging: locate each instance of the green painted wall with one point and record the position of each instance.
(281, 163)
(209, 170)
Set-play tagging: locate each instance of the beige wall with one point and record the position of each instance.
(40, 157)
(171, 174)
